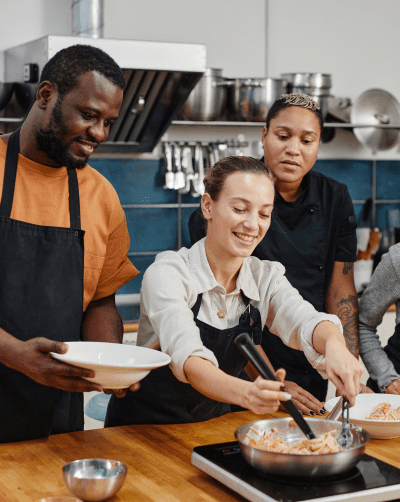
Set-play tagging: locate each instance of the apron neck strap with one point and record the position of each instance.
(10, 174)
(74, 205)
(196, 306)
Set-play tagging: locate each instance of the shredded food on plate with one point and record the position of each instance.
(323, 443)
(384, 411)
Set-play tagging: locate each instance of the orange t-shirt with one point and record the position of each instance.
(41, 198)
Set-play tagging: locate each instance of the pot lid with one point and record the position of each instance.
(375, 107)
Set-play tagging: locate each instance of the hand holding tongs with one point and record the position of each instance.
(247, 347)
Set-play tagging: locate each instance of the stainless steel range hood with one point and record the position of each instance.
(159, 76)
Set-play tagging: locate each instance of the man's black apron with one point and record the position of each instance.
(392, 350)
(163, 399)
(41, 295)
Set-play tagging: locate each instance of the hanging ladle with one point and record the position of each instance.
(247, 347)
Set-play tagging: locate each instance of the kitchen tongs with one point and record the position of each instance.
(345, 439)
(247, 347)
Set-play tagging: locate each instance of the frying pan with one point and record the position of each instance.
(297, 465)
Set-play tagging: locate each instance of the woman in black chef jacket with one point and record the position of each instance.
(312, 233)
(195, 302)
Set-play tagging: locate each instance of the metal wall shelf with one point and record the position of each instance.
(217, 123)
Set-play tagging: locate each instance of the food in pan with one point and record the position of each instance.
(384, 411)
(323, 443)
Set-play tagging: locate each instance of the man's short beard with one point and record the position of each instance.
(47, 140)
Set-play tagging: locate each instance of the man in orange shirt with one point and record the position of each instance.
(63, 244)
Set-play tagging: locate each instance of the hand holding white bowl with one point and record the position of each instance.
(116, 366)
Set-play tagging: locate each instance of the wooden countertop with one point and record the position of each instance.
(158, 459)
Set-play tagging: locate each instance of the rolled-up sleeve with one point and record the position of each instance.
(294, 319)
(167, 295)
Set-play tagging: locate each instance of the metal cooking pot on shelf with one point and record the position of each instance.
(208, 98)
(376, 107)
(249, 99)
(315, 85)
(314, 80)
(297, 465)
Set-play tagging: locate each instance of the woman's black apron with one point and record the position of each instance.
(41, 295)
(163, 399)
(392, 350)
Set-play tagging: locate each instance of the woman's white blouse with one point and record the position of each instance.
(170, 288)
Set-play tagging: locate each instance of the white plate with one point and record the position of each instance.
(116, 366)
(365, 404)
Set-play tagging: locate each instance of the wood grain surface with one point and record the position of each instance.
(158, 459)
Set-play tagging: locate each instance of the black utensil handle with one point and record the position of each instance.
(247, 347)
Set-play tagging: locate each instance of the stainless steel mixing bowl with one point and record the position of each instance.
(295, 465)
(94, 479)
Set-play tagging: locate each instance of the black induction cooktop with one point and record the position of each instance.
(370, 480)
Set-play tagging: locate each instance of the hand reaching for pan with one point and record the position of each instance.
(305, 402)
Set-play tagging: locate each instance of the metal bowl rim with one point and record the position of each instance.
(75, 462)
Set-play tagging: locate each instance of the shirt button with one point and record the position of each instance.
(221, 314)
(320, 268)
(311, 211)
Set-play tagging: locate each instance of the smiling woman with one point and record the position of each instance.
(312, 233)
(195, 302)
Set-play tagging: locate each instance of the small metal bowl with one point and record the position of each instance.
(94, 479)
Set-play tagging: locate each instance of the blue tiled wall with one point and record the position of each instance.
(139, 181)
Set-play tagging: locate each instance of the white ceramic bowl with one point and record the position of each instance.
(365, 404)
(116, 366)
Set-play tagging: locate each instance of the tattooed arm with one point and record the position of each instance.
(341, 300)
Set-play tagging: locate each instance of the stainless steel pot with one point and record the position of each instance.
(208, 99)
(318, 94)
(323, 102)
(250, 99)
(376, 107)
(320, 80)
(295, 465)
(313, 91)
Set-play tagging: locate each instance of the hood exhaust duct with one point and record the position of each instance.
(159, 76)
(87, 18)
